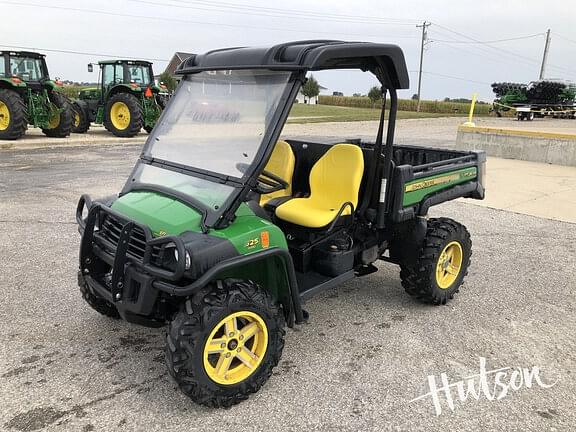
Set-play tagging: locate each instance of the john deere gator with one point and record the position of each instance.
(125, 101)
(29, 97)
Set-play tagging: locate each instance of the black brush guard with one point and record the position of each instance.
(131, 285)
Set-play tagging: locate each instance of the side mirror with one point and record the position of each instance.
(90, 67)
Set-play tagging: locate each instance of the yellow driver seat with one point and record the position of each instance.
(281, 163)
(334, 180)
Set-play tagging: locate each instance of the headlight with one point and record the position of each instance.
(188, 259)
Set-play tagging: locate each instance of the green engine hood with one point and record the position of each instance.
(168, 216)
(163, 215)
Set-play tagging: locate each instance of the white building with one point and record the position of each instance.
(303, 99)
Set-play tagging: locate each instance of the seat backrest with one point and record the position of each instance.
(336, 177)
(281, 163)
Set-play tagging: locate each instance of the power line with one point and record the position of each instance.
(185, 21)
(225, 7)
(565, 38)
(491, 41)
(82, 53)
(450, 77)
(487, 44)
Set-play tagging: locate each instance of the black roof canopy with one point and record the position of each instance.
(386, 61)
(130, 62)
(23, 54)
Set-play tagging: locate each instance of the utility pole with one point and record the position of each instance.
(424, 38)
(545, 56)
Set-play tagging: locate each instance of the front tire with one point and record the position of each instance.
(224, 343)
(81, 121)
(61, 124)
(123, 115)
(13, 121)
(441, 265)
(97, 303)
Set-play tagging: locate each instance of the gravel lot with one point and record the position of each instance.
(364, 355)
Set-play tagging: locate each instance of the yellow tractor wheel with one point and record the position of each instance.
(123, 115)
(13, 121)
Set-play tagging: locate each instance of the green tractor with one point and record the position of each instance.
(29, 97)
(223, 231)
(125, 101)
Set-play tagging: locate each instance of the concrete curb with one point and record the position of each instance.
(31, 144)
(535, 146)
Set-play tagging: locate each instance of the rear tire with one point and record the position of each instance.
(97, 303)
(65, 122)
(13, 120)
(123, 115)
(442, 263)
(81, 121)
(207, 361)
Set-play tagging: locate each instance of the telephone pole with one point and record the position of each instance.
(545, 56)
(424, 38)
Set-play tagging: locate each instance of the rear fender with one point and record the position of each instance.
(12, 84)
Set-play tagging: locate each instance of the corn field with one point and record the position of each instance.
(407, 105)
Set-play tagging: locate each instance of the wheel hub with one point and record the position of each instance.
(235, 347)
(449, 265)
(4, 116)
(232, 345)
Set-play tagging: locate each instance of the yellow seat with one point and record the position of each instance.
(334, 180)
(281, 163)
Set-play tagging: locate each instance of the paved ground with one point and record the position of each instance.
(438, 132)
(366, 352)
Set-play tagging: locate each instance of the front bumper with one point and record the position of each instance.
(118, 264)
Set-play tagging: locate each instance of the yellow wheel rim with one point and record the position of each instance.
(235, 348)
(54, 121)
(449, 265)
(76, 119)
(120, 115)
(4, 116)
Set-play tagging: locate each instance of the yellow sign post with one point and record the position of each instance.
(471, 113)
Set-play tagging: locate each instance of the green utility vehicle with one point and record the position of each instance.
(29, 96)
(222, 230)
(125, 101)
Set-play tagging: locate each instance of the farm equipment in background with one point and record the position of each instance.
(29, 97)
(125, 101)
(537, 99)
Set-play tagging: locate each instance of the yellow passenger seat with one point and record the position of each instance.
(334, 180)
(281, 163)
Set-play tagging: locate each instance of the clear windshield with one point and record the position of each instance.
(26, 68)
(140, 74)
(216, 120)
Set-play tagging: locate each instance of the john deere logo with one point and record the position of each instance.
(162, 233)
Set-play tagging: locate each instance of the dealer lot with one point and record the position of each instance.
(364, 355)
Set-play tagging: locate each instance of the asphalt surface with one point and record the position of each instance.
(364, 355)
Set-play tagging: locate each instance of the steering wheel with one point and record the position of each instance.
(267, 181)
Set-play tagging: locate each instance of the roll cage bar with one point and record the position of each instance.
(385, 61)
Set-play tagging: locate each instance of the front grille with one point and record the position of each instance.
(110, 230)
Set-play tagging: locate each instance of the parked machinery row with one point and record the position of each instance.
(537, 99)
(125, 100)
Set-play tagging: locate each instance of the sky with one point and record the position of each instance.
(470, 44)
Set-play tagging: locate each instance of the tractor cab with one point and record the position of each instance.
(28, 67)
(136, 74)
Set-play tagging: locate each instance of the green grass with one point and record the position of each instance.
(305, 113)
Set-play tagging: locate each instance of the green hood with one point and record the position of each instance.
(163, 215)
(168, 216)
